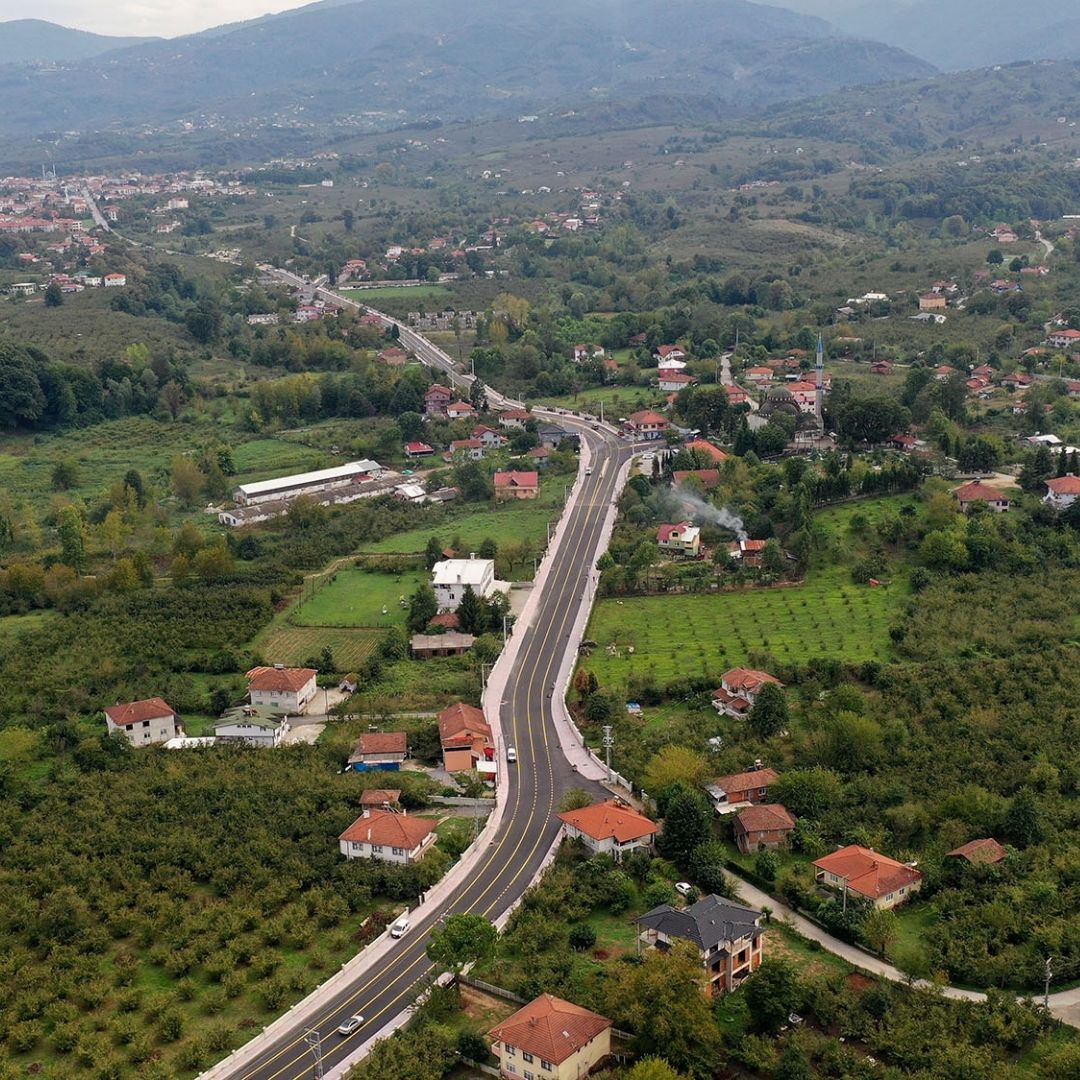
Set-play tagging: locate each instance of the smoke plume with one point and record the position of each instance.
(704, 512)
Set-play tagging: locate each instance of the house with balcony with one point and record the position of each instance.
(728, 936)
(682, 539)
(611, 828)
(738, 690)
(465, 736)
(741, 789)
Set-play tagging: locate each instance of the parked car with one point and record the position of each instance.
(683, 888)
(511, 755)
(352, 1025)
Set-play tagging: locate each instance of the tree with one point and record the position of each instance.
(348, 219)
(878, 930)
(663, 1000)
(470, 613)
(575, 799)
(707, 867)
(673, 765)
(213, 562)
(794, 1064)
(582, 937)
(187, 480)
(478, 396)
(72, 531)
(114, 532)
(687, 824)
(462, 940)
(433, 551)
(54, 295)
(65, 474)
(653, 1068)
(423, 607)
(773, 992)
(769, 713)
(489, 549)
(1023, 819)
(808, 793)
(995, 258)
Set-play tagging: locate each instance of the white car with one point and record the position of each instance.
(352, 1025)
(683, 888)
(511, 755)
(400, 928)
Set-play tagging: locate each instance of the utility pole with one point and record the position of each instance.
(314, 1044)
(609, 742)
(1049, 974)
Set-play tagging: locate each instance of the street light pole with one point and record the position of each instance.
(1049, 974)
(314, 1044)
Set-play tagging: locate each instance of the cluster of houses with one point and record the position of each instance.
(274, 694)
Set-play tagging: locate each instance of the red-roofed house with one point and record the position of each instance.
(465, 736)
(741, 788)
(392, 356)
(862, 871)
(588, 352)
(470, 449)
(143, 723)
(491, 438)
(765, 826)
(739, 688)
(669, 352)
(436, 398)
(382, 797)
(283, 689)
(514, 418)
(610, 828)
(459, 410)
(674, 381)
(882, 367)
(736, 395)
(709, 478)
(759, 374)
(748, 552)
(551, 1039)
(967, 495)
(1063, 339)
(380, 834)
(714, 453)
(517, 485)
(418, 450)
(985, 851)
(1062, 491)
(682, 539)
(380, 750)
(647, 424)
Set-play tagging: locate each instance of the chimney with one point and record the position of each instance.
(472, 554)
(279, 667)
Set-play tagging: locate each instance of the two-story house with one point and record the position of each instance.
(281, 688)
(451, 577)
(767, 825)
(611, 828)
(1062, 491)
(516, 484)
(741, 789)
(144, 723)
(683, 539)
(728, 937)
(391, 837)
(465, 737)
(550, 1039)
(738, 690)
(646, 424)
(968, 495)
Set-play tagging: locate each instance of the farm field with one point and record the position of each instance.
(285, 644)
(424, 292)
(618, 401)
(708, 633)
(507, 523)
(835, 520)
(263, 459)
(359, 598)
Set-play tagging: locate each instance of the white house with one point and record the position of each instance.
(674, 381)
(285, 690)
(451, 577)
(246, 726)
(1062, 491)
(114, 281)
(144, 723)
(391, 837)
(739, 688)
(610, 828)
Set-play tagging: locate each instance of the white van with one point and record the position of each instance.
(401, 927)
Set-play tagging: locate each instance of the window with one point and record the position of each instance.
(510, 1050)
(526, 1057)
(547, 1065)
(529, 1075)
(398, 850)
(356, 846)
(146, 723)
(376, 849)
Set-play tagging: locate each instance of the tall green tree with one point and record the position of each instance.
(470, 613)
(769, 713)
(72, 531)
(462, 940)
(422, 608)
(687, 823)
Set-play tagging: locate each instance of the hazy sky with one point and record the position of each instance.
(143, 18)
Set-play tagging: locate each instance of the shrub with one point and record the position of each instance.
(582, 937)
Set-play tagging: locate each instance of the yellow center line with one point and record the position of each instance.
(566, 611)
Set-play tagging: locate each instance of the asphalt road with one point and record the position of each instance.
(533, 789)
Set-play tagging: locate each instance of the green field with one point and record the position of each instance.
(11, 626)
(618, 400)
(284, 644)
(422, 292)
(504, 523)
(360, 598)
(676, 634)
(266, 458)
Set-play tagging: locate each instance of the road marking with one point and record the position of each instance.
(573, 564)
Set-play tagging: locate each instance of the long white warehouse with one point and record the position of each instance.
(309, 483)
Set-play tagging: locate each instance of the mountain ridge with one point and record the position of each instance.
(453, 59)
(37, 41)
